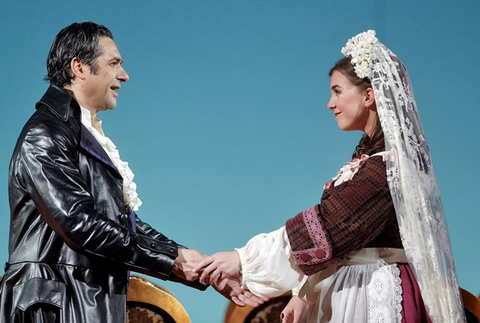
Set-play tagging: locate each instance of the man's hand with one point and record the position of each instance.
(231, 290)
(187, 259)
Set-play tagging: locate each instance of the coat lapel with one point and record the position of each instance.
(91, 147)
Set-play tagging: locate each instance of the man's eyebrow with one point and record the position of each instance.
(116, 59)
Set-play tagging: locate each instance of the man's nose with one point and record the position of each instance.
(122, 75)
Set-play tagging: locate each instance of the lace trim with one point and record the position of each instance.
(384, 296)
(316, 232)
(319, 240)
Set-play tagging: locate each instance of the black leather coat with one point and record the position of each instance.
(71, 240)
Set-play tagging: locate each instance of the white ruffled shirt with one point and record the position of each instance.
(130, 195)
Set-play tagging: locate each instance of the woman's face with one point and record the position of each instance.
(353, 109)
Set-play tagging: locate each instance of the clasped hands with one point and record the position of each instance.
(221, 270)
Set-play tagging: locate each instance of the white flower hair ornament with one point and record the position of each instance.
(361, 49)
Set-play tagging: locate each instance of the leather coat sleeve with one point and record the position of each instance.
(145, 229)
(45, 168)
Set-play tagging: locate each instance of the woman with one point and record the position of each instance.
(376, 248)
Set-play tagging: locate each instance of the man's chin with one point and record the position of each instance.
(111, 106)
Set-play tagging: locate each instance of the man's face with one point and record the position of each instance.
(99, 89)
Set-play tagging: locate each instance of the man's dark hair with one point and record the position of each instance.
(77, 40)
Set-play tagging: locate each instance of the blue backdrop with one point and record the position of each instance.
(224, 119)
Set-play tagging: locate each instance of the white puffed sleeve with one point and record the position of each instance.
(268, 266)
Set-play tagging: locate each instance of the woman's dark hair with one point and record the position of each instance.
(366, 145)
(77, 40)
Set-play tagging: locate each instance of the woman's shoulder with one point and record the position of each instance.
(351, 168)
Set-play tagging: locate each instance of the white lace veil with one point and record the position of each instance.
(410, 177)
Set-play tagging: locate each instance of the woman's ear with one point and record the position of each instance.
(369, 97)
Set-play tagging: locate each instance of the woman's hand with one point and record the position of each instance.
(295, 311)
(231, 290)
(219, 266)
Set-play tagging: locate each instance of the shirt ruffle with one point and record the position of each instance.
(130, 195)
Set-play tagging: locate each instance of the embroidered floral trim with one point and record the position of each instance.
(361, 49)
(347, 172)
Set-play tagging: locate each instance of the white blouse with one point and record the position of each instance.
(264, 269)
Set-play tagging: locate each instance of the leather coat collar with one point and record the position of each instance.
(64, 105)
(60, 102)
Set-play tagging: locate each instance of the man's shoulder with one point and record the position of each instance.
(57, 115)
(60, 102)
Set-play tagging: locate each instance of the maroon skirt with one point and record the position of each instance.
(413, 308)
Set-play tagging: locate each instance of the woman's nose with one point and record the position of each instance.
(331, 104)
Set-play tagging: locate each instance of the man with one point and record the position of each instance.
(74, 232)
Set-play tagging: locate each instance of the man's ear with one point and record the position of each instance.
(78, 68)
(369, 97)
